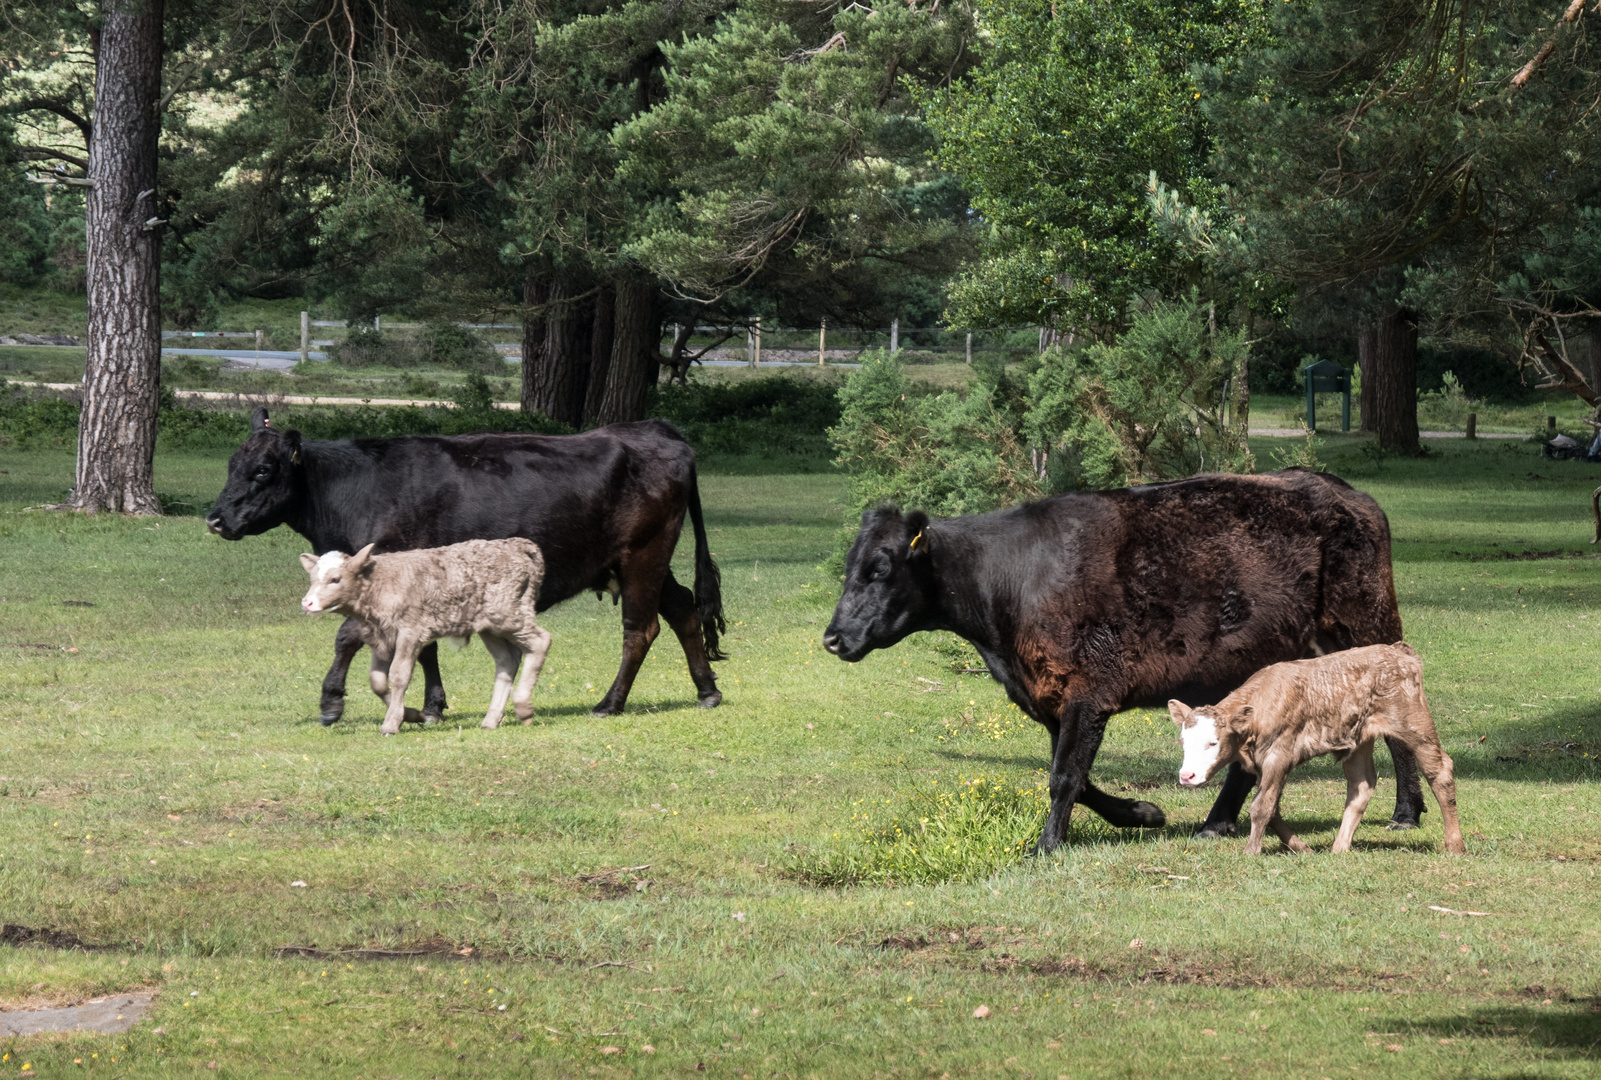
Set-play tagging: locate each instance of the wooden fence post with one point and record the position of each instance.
(970, 346)
(1473, 425)
(758, 361)
(894, 336)
(822, 340)
(305, 336)
(259, 342)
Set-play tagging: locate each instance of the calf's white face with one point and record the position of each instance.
(327, 581)
(1199, 735)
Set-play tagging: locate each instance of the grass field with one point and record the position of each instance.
(629, 897)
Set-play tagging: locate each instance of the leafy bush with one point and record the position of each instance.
(1147, 408)
(1447, 407)
(934, 834)
(447, 345)
(34, 424)
(946, 454)
(769, 417)
(438, 344)
(366, 346)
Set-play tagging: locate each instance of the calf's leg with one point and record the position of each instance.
(1265, 807)
(506, 657)
(1441, 772)
(535, 645)
(400, 668)
(378, 679)
(347, 643)
(1360, 780)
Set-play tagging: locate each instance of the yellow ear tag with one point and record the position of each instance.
(294, 458)
(913, 545)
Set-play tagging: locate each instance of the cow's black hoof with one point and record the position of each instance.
(1145, 815)
(1211, 829)
(605, 709)
(432, 718)
(1399, 825)
(712, 700)
(333, 707)
(329, 719)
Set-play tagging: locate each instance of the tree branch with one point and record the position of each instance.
(44, 153)
(1527, 71)
(60, 108)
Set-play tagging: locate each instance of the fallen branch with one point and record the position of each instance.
(1454, 911)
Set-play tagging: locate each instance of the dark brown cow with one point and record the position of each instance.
(1089, 603)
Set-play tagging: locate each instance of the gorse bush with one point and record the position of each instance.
(945, 453)
(935, 833)
(438, 344)
(1447, 407)
(1148, 408)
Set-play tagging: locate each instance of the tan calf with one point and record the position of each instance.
(1338, 704)
(406, 599)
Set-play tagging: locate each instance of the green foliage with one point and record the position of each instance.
(1055, 134)
(367, 346)
(944, 453)
(934, 834)
(1447, 407)
(775, 416)
(42, 423)
(1147, 408)
(451, 345)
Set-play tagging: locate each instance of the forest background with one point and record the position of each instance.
(1404, 188)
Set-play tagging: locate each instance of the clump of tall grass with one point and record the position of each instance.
(935, 833)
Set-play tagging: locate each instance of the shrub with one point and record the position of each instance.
(946, 454)
(935, 833)
(773, 416)
(1148, 408)
(365, 346)
(1448, 406)
(448, 345)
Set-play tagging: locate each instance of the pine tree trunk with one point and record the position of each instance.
(1367, 342)
(1592, 370)
(122, 379)
(563, 370)
(536, 291)
(603, 332)
(634, 346)
(1395, 382)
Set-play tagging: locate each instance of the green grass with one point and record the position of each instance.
(638, 881)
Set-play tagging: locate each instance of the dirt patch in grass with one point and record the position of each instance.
(438, 948)
(13, 934)
(1526, 555)
(616, 883)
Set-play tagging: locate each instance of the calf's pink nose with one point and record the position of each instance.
(1186, 777)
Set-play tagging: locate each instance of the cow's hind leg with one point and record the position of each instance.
(1408, 791)
(347, 643)
(678, 608)
(433, 699)
(640, 576)
(1224, 816)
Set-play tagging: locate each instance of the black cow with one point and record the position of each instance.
(606, 508)
(1086, 604)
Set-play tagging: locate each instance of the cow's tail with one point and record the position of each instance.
(708, 579)
(1595, 508)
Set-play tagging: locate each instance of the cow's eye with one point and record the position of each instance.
(1211, 745)
(263, 472)
(335, 581)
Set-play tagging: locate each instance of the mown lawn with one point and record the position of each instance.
(627, 896)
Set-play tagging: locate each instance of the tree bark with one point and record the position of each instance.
(637, 330)
(122, 377)
(560, 377)
(603, 332)
(1395, 382)
(1367, 342)
(536, 291)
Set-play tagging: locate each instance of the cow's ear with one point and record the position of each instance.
(1181, 713)
(309, 561)
(259, 421)
(292, 443)
(916, 532)
(360, 560)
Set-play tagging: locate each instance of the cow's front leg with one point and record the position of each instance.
(1082, 728)
(347, 643)
(1408, 789)
(433, 699)
(1124, 813)
(1225, 812)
